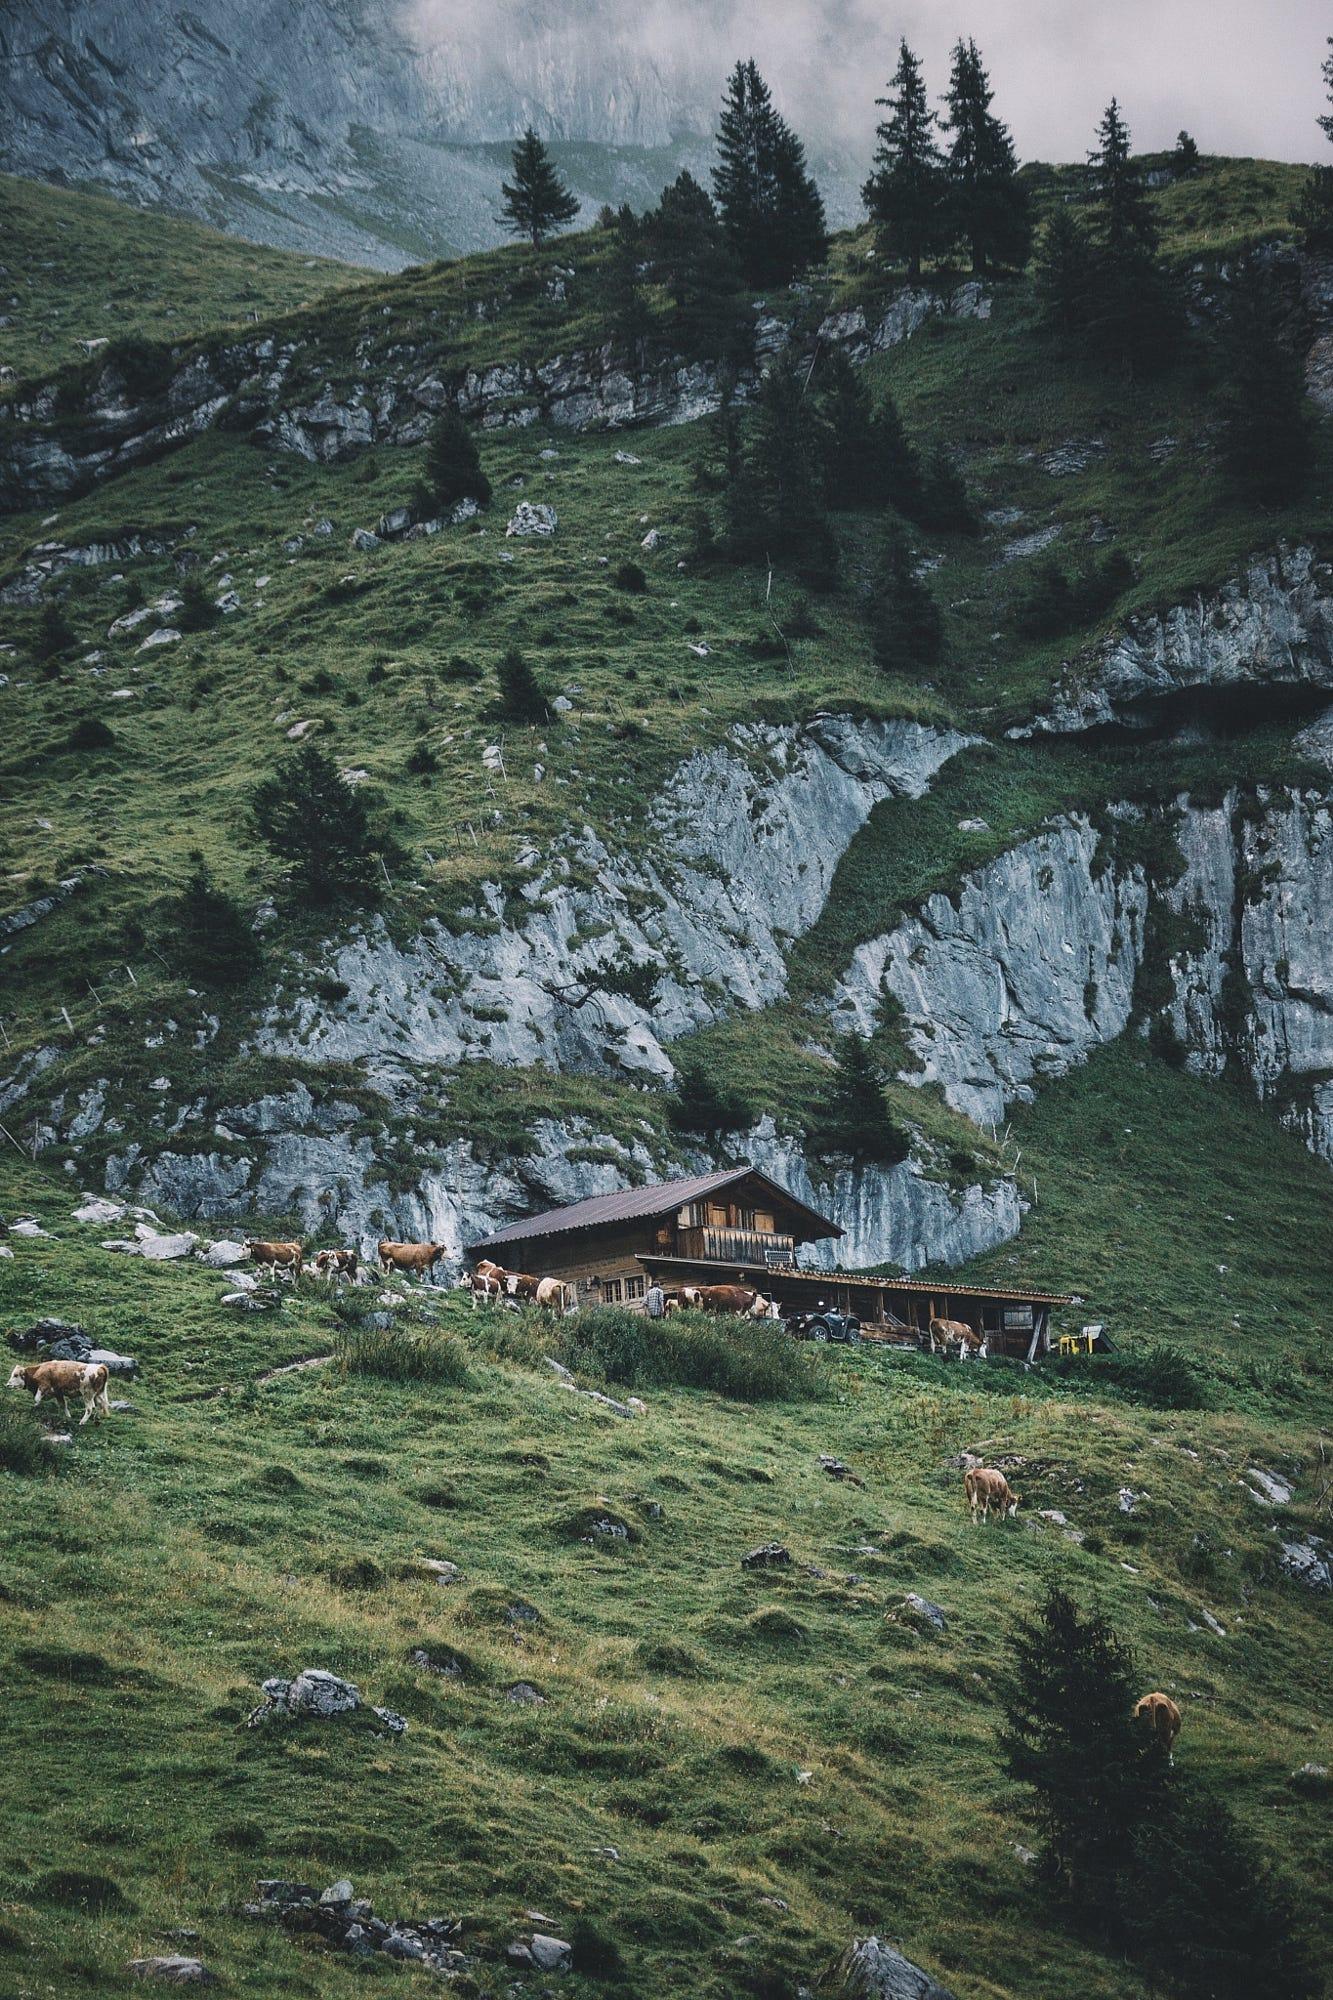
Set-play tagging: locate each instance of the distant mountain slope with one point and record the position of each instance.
(323, 125)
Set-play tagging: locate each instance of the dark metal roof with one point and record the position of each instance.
(938, 1288)
(632, 1204)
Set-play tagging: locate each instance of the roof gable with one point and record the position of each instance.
(647, 1203)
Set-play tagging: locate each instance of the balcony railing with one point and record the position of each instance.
(736, 1246)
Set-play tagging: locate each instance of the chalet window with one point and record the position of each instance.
(717, 1215)
(611, 1291)
(634, 1288)
(764, 1223)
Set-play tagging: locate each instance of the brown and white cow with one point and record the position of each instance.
(416, 1259)
(486, 1267)
(63, 1379)
(554, 1295)
(488, 1286)
(738, 1300)
(333, 1264)
(947, 1335)
(1159, 1714)
(277, 1256)
(521, 1286)
(984, 1488)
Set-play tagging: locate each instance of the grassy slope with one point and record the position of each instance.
(678, 1711)
(68, 277)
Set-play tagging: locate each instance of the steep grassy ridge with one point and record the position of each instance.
(233, 1528)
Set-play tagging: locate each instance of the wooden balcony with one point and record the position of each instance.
(736, 1246)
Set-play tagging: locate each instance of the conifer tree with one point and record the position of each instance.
(905, 194)
(1185, 158)
(853, 1117)
(453, 463)
(209, 934)
(626, 306)
(988, 201)
(771, 210)
(688, 249)
(522, 696)
(537, 200)
(1126, 220)
(775, 496)
(1064, 273)
(905, 629)
(317, 825)
(1266, 436)
(1070, 1739)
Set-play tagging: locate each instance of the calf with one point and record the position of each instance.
(278, 1256)
(417, 1259)
(1159, 1714)
(484, 1285)
(63, 1379)
(985, 1489)
(332, 1264)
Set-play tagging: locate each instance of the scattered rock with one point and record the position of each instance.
(1129, 1499)
(524, 1693)
(444, 1573)
(974, 826)
(1308, 1563)
(1054, 1516)
(768, 1555)
(1030, 545)
(1310, 1778)
(533, 518)
(921, 1611)
(627, 458)
(348, 1922)
(95, 1209)
(652, 540)
(165, 635)
(364, 539)
(318, 1695)
(220, 1256)
(837, 1470)
(25, 1226)
(1273, 1491)
(871, 1970)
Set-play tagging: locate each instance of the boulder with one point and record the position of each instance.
(164, 1249)
(550, 1954)
(393, 524)
(222, 1255)
(1268, 1488)
(1307, 1562)
(365, 539)
(95, 1209)
(25, 1226)
(317, 1695)
(769, 1555)
(165, 635)
(123, 1365)
(924, 1611)
(533, 518)
(869, 1969)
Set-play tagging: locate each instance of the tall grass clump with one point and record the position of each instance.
(22, 1446)
(401, 1354)
(752, 1361)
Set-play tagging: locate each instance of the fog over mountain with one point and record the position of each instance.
(365, 128)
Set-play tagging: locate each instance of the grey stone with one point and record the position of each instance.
(123, 1365)
(768, 1555)
(173, 1970)
(533, 518)
(921, 1607)
(550, 1954)
(1268, 1488)
(338, 1894)
(365, 539)
(1307, 1562)
(220, 1256)
(871, 1970)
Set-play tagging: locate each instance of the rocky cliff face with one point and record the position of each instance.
(278, 393)
(1041, 955)
(1271, 627)
(740, 855)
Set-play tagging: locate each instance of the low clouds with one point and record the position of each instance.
(1241, 75)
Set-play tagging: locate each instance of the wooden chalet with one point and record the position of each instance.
(738, 1226)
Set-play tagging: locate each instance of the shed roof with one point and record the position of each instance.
(633, 1204)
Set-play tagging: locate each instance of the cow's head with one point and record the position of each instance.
(1012, 1508)
(17, 1380)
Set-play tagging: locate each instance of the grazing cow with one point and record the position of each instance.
(63, 1379)
(1159, 1714)
(738, 1300)
(278, 1256)
(484, 1285)
(416, 1259)
(333, 1264)
(985, 1489)
(554, 1295)
(521, 1286)
(946, 1334)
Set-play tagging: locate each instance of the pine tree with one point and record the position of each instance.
(775, 498)
(1064, 276)
(905, 629)
(945, 506)
(771, 210)
(704, 1103)
(522, 696)
(905, 194)
(1266, 436)
(1185, 158)
(853, 1117)
(626, 307)
(987, 199)
(1125, 214)
(688, 249)
(1069, 1737)
(453, 463)
(55, 634)
(1313, 213)
(197, 610)
(855, 468)
(209, 934)
(537, 200)
(317, 825)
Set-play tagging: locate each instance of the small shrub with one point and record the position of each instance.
(630, 576)
(55, 634)
(522, 697)
(747, 1360)
(422, 762)
(1159, 1375)
(197, 612)
(453, 464)
(22, 1449)
(72, 1888)
(209, 934)
(401, 1354)
(90, 733)
(594, 1952)
(364, 1573)
(456, 668)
